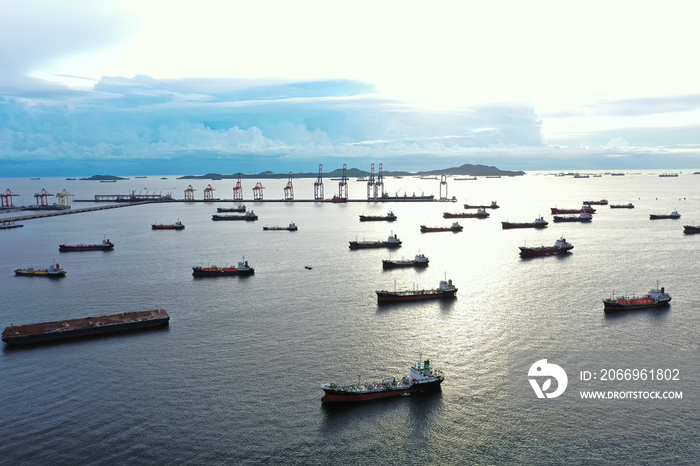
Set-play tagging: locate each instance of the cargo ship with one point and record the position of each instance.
(406, 197)
(419, 261)
(105, 245)
(584, 217)
(391, 242)
(560, 247)
(389, 217)
(168, 226)
(538, 223)
(673, 215)
(629, 205)
(600, 202)
(455, 227)
(493, 205)
(87, 326)
(53, 271)
(214, 271)
(584, 209)
(422, 378)
(248, 216)
(655, 298)
(444, 290)
(480, 213)
(690, 229)
(291, 227)
(240, 208)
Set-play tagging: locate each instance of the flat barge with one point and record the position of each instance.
(86, 326)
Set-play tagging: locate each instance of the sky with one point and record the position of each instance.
(226, 86)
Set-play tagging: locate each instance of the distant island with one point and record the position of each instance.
(463, 170)
(104, 178)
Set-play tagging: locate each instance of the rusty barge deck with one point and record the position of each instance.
(86, 326)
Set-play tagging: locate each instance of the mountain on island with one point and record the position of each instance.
(462, 170)
(104, 178)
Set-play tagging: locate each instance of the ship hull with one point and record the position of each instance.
(618, 307)
(572, 211)
(40, 273)
(464, 215)
(662, 217)
(234, 217)
(392, 297)
(88, 247)
(507, 226)
(542, 252)
(691, 229)
(571, 219)
(376, 219)
(397, 265)
(167, 227)
(332, 396)
(439, 229)
(621, 206)
(355, 245)
(221, 272)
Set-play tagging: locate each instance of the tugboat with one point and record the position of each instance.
(480, 213)
(538, 223)
(444, 290)
(240, 208)
(673, 215)
(54, 271)
(456, 227)
(389, 217)
(493, 205)
(629, 205)
(584, 217)
(106, 245)
(419, 261)
(172, 226)
(560, 247)
(689, 229)
(655, 298)
(292, 227)
(422, 378)
(214, 271)
(600, 202)
(248, 216)
(584, 209)
(391, 242)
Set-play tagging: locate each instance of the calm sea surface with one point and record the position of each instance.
(235, 378)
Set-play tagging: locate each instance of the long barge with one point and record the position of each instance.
(83, 327)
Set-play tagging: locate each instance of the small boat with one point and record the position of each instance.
(538, 223)
(422, 378)
(292, 227)
(673, 215)
(389, 217)
(248, 216)
(655, 298)
(668, 175)
(493, 205)
(629, 205)
(391, 242)
(584, 217)
(419, 261)
(444, 290)
(584, 209)
(308, 267)
(600, 202)
(240, 208)
(467, 178)
(53, 271)
(105, 245)
(168, 226)
(480, 213)
(8, 225)
(455, 227)
(689, 229)
(560, 247)
(214, 271)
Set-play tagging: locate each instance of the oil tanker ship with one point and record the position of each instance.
(214, 271)
(53, 271)
(419, 261)
(422, 378)
(560, 247)
(106, 245)
(655, 298)
(391, 242)
(168, 226)
(444, 290)
(538, 223)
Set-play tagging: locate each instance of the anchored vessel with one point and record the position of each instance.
(406, 197)
(691, 229)
(455, 227)
(64, 329)
(240, 208)
(106, 245)
(560, 247)
(419, 261)
(391, 242)
(54, 271)
(629, 205)
(600, 202)
(171, 226)
(673, 215)
(422, 378)
(214, 271)
(480, 213)
(493, 205)
(655, 298)
(248, 216)
(445, 290)
(584, 217)
(292, 227)
(538, 223)
(389, 217)
(584, 209)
